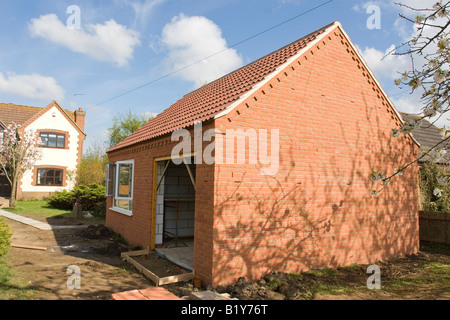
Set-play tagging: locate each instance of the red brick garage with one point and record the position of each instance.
(332, 120)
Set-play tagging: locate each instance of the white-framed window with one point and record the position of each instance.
(119, 185)
(110, 179)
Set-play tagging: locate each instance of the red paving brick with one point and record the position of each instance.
(129, 295)
(158, 294)
(146, 294)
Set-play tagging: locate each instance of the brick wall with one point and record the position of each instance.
(317, 210)
(138, 228)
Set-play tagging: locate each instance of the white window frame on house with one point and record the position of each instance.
(110, 180)
(116, 183)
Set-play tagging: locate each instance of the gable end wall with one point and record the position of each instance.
(66, 159)
(317, 210)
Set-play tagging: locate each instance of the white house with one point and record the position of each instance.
(62, 135)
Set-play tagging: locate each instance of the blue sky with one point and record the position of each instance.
(124, 44)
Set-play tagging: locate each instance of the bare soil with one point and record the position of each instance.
(96, 251)
(159, 266)
(91, 248)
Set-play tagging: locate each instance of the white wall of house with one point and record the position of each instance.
(54, 119)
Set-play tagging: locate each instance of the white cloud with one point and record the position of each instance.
(416, 4)
(191, 39)
(389, 67)
(149, 114)
(412, 103)
(409, 102)
(143, 9)
(362, 7)
(109, 42)
(32, 86)
(384, 65)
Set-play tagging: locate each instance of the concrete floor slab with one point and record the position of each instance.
(182, 256)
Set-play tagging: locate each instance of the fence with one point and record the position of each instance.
(434, 226)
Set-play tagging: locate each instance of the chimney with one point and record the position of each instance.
(80, 116)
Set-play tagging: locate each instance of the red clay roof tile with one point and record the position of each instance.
(206, 102)
(10, 113)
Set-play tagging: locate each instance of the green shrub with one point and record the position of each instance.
(5, 238)
(91, 198)
(62, 200)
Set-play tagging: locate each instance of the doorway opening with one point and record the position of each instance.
(175, 210)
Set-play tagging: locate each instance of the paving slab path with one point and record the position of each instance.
(34, 223)
(31, 222)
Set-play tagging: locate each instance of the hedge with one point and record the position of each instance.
(91, 198)
(5, 238)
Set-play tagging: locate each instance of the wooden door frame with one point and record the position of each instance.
(154, 187)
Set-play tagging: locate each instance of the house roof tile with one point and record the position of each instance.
(206, 102)
(428, 135)
(10, 113)
(19, 114)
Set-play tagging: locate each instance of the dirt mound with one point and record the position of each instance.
(101, 240)
(111, 249)
(273, 286)
(97, 232)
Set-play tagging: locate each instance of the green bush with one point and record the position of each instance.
(91, 198)
(5, 238)
(62, 200)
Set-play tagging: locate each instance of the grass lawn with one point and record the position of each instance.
(400, 277)
(38, 209)
(13, 287)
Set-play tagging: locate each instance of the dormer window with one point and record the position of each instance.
(53, 140)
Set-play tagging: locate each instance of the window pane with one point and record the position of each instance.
(110, 173)
(125, 178)
(50, 179)
(61, 141)
(58, 177)
(122, 204)
(52, 140)
(41, 177)
(44, 139)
